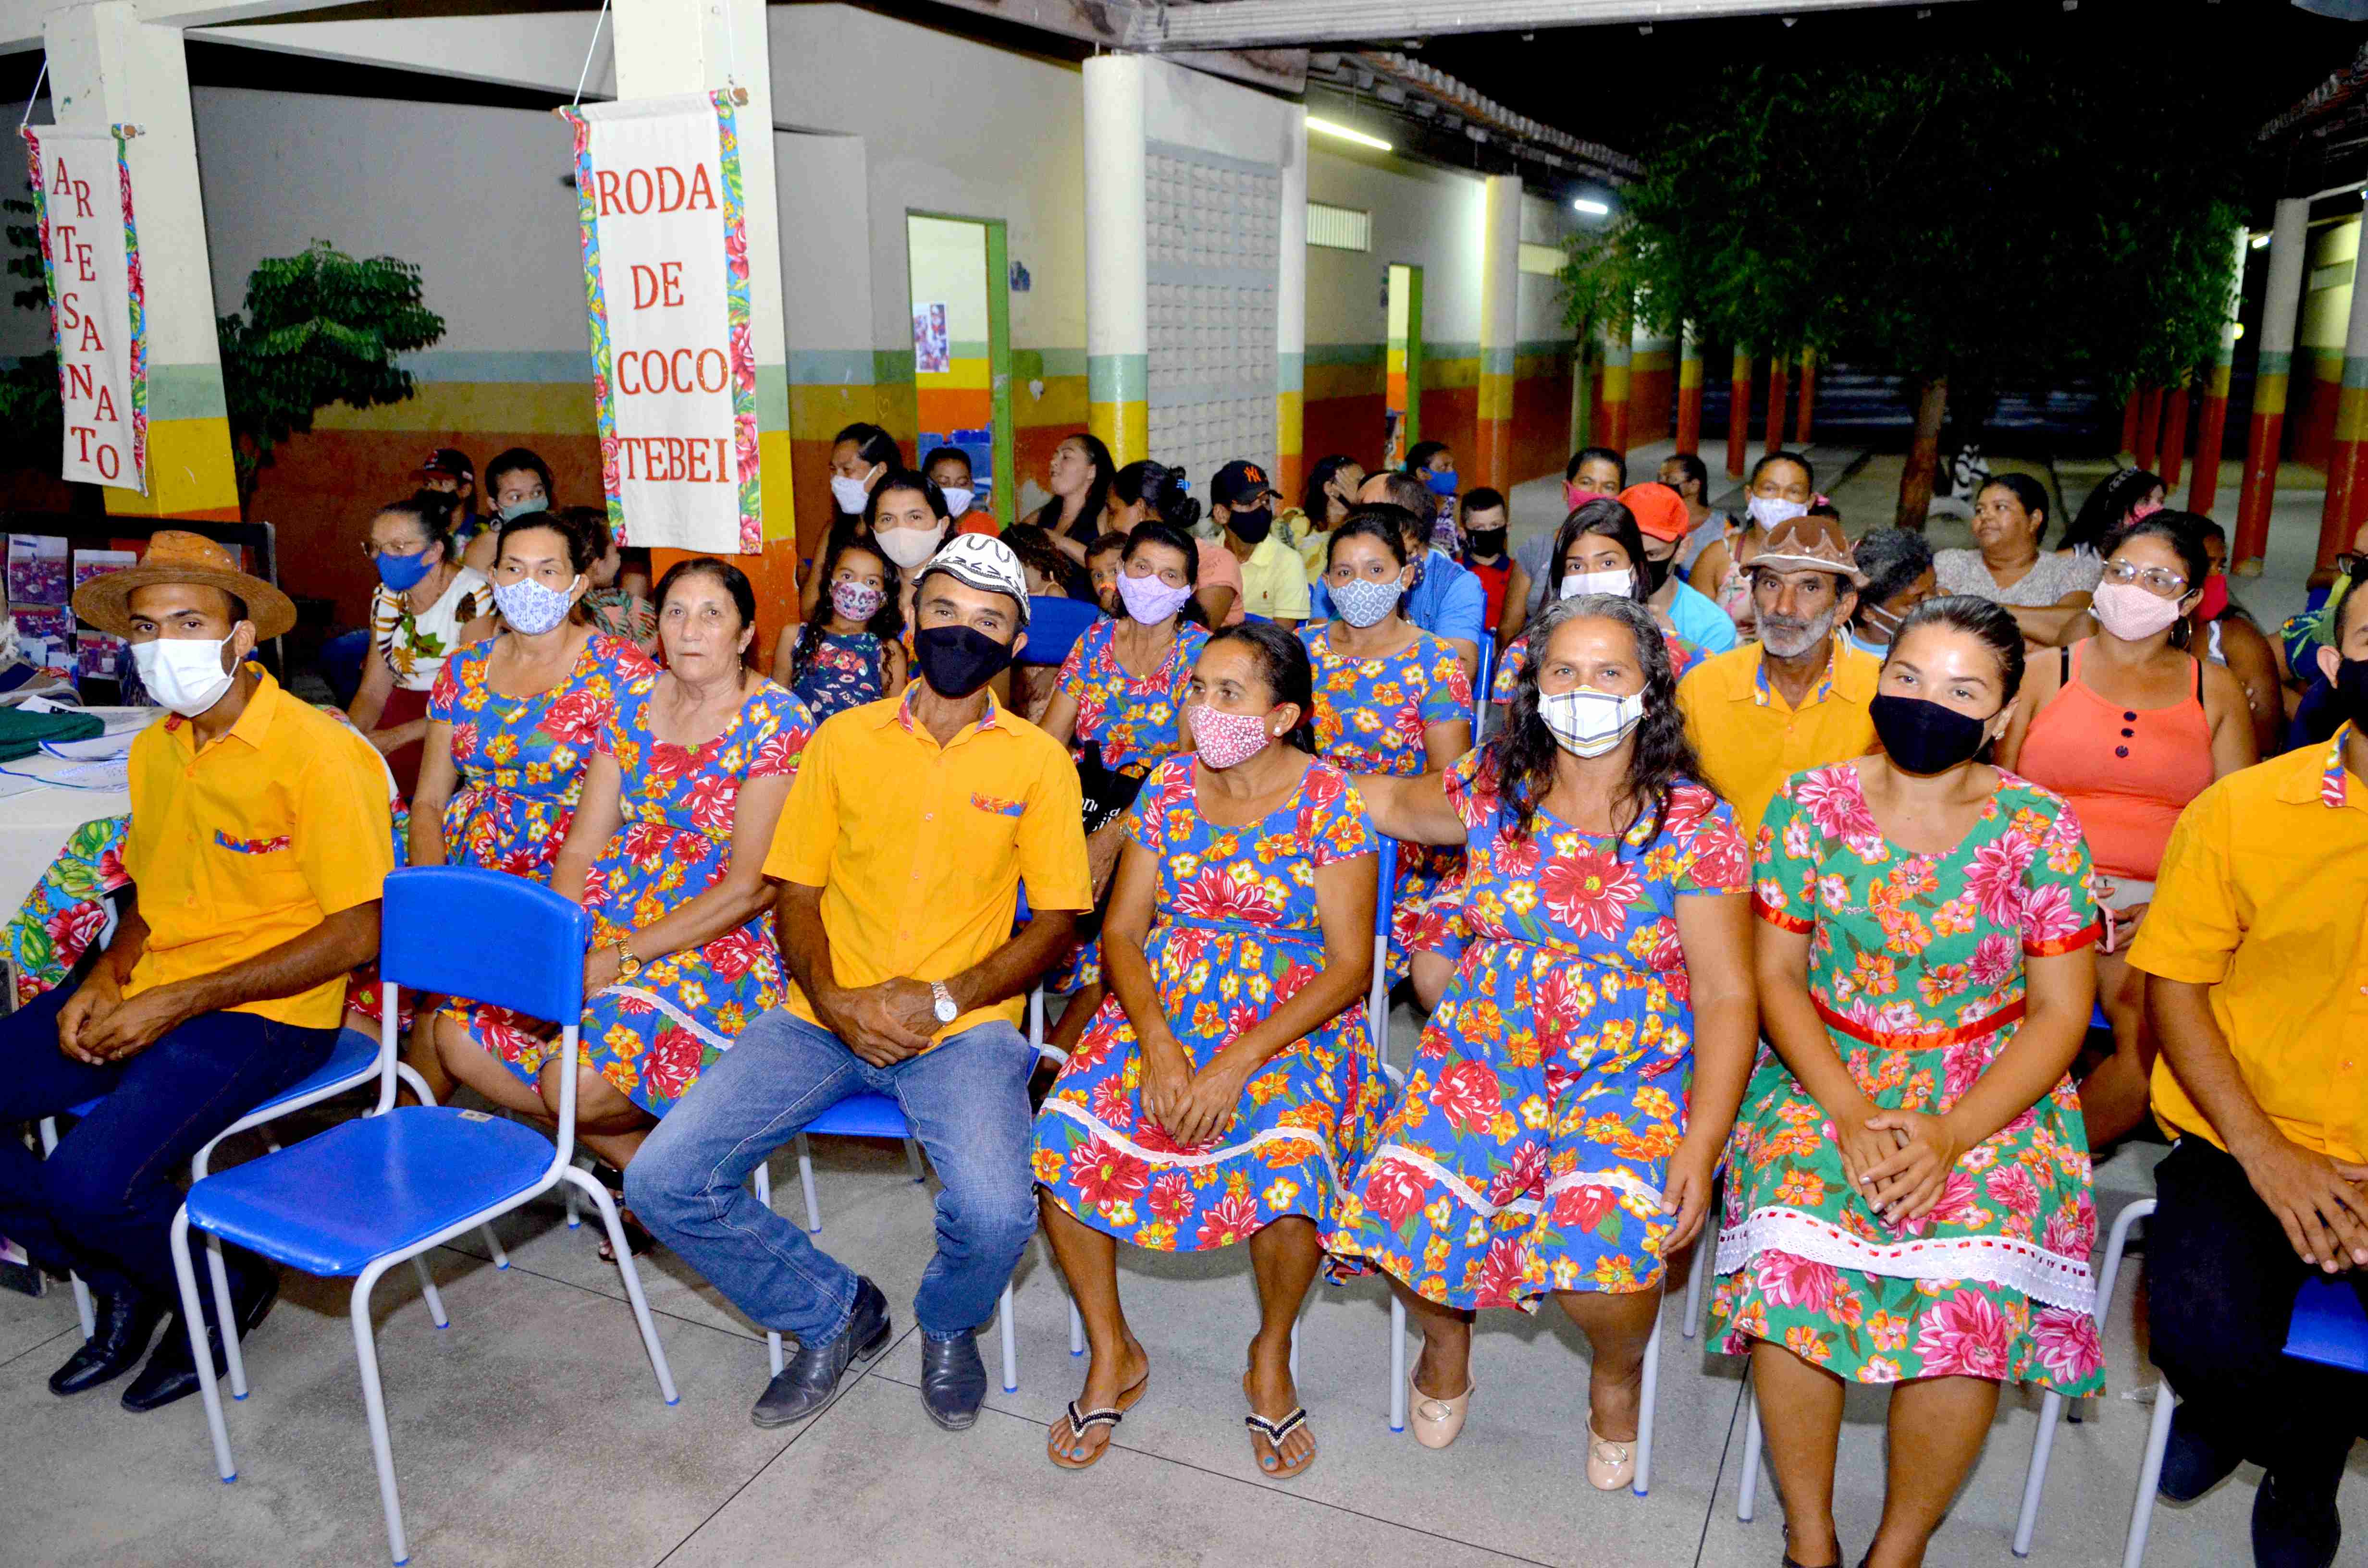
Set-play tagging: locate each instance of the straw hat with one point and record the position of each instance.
(177, 556)
(1810, 544)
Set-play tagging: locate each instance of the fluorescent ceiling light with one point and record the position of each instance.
(2261, 242)
(1345, 134)
(1597, 207)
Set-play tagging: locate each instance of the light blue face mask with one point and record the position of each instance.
(520, 508)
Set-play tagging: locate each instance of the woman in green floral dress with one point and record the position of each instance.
(1908, 1193)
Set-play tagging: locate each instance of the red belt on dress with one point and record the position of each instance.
(1921, 1039)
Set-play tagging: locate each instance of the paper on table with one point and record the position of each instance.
(94, 748)
(108, 773)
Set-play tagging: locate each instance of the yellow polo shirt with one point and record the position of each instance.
(251, 842)
(1750, 741)
(1274, 581)
(920, 851)
(2264, 897)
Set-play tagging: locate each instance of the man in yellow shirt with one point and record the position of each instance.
(913, 824)
(1274, 578)
(2256, 956)
(259, 841)
(1800, 696)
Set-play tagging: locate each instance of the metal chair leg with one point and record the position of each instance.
(83, 1310)
(374, 1406)
(617, 1243)
(805, 1178)
(1077, 1330)
(417, 1085)
(2034, 1481)
(185, 1275)
(2149, 1476)
(1010, 1343)
(1746, 1501)
(493, 1245)
(233, 1358)
(1697, 1272)
(760, 1182)
(428, 1288)
(1398, 1363)
(1651, 1391)
(913, 1159)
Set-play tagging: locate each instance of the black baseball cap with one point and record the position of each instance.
(450, 461)
(1237, 481)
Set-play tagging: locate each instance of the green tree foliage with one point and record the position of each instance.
(29, 411)
(1992, 219)
(319, 328)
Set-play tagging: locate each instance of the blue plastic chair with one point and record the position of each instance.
(366, 1195)
(1054, 624)
(1481, 679)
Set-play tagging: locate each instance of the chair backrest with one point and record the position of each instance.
(1054, 627)
(492, 938)
(2329, 1327)
(1377, 1005)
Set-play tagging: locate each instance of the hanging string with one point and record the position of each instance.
(36, 97)
(589, 50)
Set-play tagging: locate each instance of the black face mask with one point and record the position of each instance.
(1657, 573)
(958, 660)
(1488, 543)
(1251, 528)
(2352, 690)
(1923, 736)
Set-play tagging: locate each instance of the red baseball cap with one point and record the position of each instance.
(1659, 510)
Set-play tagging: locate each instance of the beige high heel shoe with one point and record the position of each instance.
(1437, 1422)
(1610, 1466)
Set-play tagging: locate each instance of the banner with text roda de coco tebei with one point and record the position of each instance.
(666, 279)
(90, 258)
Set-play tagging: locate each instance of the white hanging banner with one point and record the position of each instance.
(666, 279)
(90, 257)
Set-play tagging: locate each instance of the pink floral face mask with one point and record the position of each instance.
(1224, 740)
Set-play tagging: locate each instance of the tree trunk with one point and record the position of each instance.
(1923, 454)
(1582, 397)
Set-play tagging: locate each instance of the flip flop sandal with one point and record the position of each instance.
(1081, 1420)
(1275, 1432)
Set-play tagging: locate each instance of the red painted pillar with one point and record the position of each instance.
(2129, 414)
(2265, 433)
(1738, 413)
(2211, 430)
(2149, 426)
(2174, 435)
(1779, 385)
(1808, 396)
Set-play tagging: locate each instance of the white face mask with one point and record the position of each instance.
(1620, 584)
(1586, 723)
(909, 547)
(850, 493)
(185, 674)
(1772, 512)
(958, 500)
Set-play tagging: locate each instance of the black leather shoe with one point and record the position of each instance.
(2197, 1459)
(171, 1374)
(812, 1376)
(954, 1380)
(2294, 1527)
(120, 1335)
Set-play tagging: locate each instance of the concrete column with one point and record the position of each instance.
(1689, 388)
(2174, 435)
(2211, 421)
(1738, 412)
(2130, 410)
(108, 67)
(2347, 459)
(2147, 451)
(1500, 325)
(1652, 384)
(1779, 389)
(2281, 303)
(1291, 319)
(1808, 396)
(1118, 257)
(669, 46)
(1618, 356)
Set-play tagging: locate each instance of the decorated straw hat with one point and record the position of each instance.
(177, 556)
(1810, 544)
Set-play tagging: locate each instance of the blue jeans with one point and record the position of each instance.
(103, 1204)
(967, 1103)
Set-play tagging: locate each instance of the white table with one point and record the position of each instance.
(36, 824)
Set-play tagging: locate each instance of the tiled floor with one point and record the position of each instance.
(530, 1432)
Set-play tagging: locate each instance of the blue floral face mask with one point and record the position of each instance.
(1361, 601)
(532, 608)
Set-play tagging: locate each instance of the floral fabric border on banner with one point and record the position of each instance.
(102, 370)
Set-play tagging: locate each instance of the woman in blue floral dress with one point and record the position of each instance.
(851, 652)
(1599, 550)
(1574, 1088)
(1908, 1198)
(667, 852)
(1227, 1091)
(512, 720)
(1119, 704)
(1390, 699)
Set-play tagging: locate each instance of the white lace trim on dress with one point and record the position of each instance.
(1623, 1181)
(2003, 1261)
(707, 1036)
(1177, 1157)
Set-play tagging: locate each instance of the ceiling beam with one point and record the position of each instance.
(1252, 24)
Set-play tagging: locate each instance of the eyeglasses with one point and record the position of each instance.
(370, 551)
(2159, 580)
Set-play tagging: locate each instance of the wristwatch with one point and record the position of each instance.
(947, 1011)
(628, 966)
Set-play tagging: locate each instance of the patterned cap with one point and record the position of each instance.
(1239, 480)
(981, 562)
(1810, 544)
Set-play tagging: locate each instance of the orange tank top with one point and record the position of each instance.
(2127, 771)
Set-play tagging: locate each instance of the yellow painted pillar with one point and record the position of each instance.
(2265, 432)
(1290, 320)
(108, 67)
(1118, 257)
